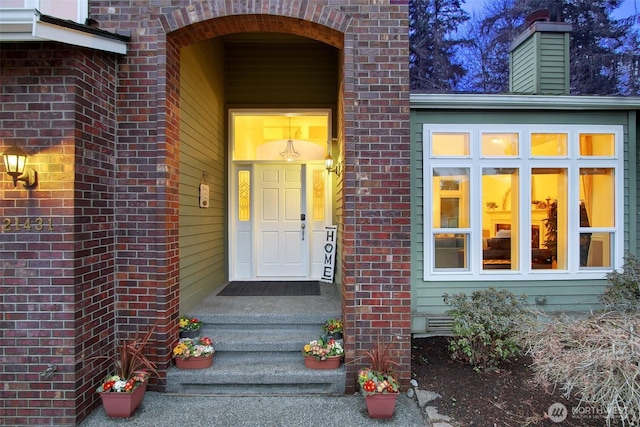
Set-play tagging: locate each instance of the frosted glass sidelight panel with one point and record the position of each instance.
(318, 195)
(244, 195)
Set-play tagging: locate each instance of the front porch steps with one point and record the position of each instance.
(259, 354)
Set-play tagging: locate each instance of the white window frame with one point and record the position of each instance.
(573, 162)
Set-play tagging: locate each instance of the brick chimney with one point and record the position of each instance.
(539, 58)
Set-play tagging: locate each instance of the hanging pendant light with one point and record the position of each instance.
(290, 153)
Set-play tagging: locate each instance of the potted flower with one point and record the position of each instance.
(189, 327)
(333, 328)
(323, 353)
(123, 391)
(193, 353)
(378, 383)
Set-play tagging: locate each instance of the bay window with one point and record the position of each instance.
(514, 199)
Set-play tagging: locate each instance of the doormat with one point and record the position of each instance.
(270, 289)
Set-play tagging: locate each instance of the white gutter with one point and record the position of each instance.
(522, 102)
(29, 25)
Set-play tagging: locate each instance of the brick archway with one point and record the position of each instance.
(373, 123)
(204, 25)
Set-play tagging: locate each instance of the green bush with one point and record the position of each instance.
(623, 290)
(486, 326)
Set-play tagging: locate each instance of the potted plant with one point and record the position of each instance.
(123, 391)
(333, 328)
(189, 327)
(378, 383)
(194, 353)
(323, 353)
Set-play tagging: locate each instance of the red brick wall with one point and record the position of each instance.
(56, 294)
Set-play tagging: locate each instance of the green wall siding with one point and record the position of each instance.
(572, 295)
(300, 74)
(202, 244)
(540, 65)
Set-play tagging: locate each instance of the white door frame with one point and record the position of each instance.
(242, 234)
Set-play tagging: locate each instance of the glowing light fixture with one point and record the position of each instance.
(328, 164)
(290, 153)
(15, 161)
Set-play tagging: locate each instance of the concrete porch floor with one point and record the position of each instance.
(329, 301)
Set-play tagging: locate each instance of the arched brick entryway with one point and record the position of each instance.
(373, 124)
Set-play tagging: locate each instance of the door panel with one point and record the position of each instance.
(280, 244)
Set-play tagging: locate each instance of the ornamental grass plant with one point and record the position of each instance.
(379, 376)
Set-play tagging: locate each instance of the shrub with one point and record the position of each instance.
(623, 290)
(486, 326)
(595, 358)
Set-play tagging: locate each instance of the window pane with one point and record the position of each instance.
(597, 144)
(451, 250)
(449, 144)
(597, 197)
(553, 183)
(595, 249)
(500, 219)
(500, 144)
(548, 144)
(450, 197)
(244, 195)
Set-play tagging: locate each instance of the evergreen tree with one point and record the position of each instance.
(490, 34)
(433, 44)
(595, 43)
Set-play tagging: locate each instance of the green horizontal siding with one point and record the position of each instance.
(281, 74)
(572, 295)
(540, 64)
(202, 243)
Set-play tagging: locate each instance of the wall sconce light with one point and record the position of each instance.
(328, 164)
(15, 161)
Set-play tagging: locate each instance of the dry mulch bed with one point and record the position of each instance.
(505, 397)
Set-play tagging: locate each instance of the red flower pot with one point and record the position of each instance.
(381, 405)
(195, 362)
(331, 362)
(123, 405)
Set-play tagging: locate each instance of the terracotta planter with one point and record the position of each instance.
(194, 362)
(381, 405)
(123, 405)
(190, 334)
(332, 362)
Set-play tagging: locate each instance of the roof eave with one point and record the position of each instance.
(522, 102)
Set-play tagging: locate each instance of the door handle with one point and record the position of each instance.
(302, 227)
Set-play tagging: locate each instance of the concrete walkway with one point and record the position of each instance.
(172, 410)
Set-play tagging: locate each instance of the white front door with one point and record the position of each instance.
(281, 241)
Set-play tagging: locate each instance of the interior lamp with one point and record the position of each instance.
(15, 160)
(290, 153)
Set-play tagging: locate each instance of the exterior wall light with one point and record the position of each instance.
(328, 164)
(15, 161)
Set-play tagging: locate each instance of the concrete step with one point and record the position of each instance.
(257, 373)
(259, 354)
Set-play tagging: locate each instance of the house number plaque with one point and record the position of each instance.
(27, 224)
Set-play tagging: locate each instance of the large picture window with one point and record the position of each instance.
(522, 200)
